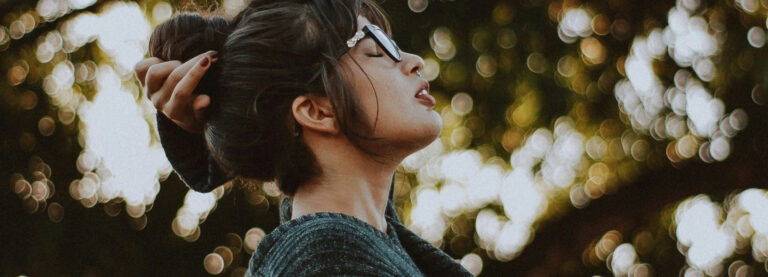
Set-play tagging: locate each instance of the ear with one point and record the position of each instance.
(315, 113)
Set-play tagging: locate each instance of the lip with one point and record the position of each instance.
(425, 99)
(424, 86)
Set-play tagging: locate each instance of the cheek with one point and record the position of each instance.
(380, 97)
(397, 115)
(367, 102)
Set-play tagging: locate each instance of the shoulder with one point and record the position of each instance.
(325, 232)
(319, 245)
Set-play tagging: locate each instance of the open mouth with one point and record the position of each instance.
(423, 95)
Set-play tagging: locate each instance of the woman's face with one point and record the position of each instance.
(403, 116)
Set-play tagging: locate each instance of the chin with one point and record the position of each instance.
(429, 132)
(419, 135)
(436, 128)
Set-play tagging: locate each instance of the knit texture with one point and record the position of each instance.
(430, 260)
(331, 244)
(319, 244)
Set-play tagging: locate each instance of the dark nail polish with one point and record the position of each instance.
(205, 62)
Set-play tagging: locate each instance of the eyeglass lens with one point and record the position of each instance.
(385, 42)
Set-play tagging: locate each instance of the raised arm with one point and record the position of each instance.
(180, 117)
(189, 156)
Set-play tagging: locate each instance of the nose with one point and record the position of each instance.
(411, 64)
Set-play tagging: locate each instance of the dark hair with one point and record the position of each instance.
(270, 53)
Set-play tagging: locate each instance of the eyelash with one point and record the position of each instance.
(375, 55)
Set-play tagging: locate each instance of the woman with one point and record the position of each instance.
(316, 96)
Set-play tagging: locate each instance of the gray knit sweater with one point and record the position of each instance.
(319, 244)
(323, 244)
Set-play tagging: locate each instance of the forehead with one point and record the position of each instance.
(361, 22)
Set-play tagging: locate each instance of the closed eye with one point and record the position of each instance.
(375, 55)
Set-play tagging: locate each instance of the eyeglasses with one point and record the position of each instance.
(381, 38)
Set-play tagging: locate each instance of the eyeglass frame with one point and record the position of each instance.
(378, 35)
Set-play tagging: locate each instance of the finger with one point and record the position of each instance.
(157, 75)
(183, 90)
(142, 67)
(199, 106)
(194, 62)
(163, 69)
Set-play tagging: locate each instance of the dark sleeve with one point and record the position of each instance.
(189, 156)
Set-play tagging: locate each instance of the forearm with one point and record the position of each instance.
(189, 156)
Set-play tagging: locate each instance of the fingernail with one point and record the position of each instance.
(205, 62)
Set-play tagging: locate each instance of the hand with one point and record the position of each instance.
(169, 85)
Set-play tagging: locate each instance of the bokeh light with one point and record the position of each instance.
(473, 263)
(418, 6)
(756, 37)
(699, 229)
(56, 212)
(431, 69)
(575, 23)
(162, 11)
(213, 263)
(547, 108)
(536, 63)
(252, 239)
(442, 44)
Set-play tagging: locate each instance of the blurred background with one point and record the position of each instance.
(605, 137)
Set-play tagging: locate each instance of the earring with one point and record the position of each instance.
(296, 130)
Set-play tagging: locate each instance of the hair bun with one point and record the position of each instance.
(187, 35)
(182, 38)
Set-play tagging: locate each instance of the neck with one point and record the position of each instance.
(351, 182)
